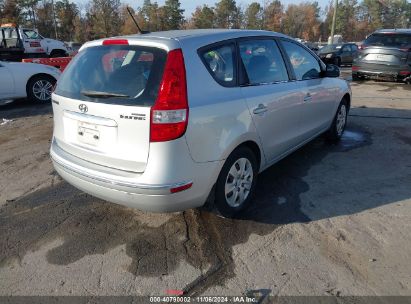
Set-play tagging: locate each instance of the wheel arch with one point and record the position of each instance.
(35, 76)
(253, 146)
(347, 97)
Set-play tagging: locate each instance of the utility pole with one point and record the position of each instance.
(333, 24)
(54, 18)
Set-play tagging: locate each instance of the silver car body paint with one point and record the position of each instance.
(126, 168)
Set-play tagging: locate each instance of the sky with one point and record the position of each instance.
(190, 5)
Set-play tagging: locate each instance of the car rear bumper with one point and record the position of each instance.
(135, 190)
(378, 71)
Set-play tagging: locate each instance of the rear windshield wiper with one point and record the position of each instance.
(102, 94)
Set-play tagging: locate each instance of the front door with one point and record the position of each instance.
(32, 42)
(319, 92)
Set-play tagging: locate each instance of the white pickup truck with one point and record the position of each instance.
(17, 43)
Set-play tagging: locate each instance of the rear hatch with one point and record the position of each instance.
(102, 104)
(385, 52)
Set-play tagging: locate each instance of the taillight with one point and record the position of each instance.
(115, 42)
(355, 68)
(169, 115)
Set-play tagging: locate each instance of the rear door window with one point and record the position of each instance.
(262, 61)
(126, 74)
(220, 62)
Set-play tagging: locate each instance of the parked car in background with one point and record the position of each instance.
(339, 54)
(163, 121)
(21, 80)
(73, 47)
(385, 54)
(17, 43)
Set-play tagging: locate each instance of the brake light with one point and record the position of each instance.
(169, 115)
(404, 73)
(355, 68)
(115, 42)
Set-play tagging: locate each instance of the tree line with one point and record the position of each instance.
(307, 20)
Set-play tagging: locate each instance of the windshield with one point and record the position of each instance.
(330, 48)
(114, 74)
(389, 39)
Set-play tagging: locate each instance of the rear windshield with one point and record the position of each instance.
(389, 39)
(128, 75)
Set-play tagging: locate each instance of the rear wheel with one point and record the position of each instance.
(236, 183)
(337, 61)
(340, 121)
(355, 77)
(40, 87)
(58, 53)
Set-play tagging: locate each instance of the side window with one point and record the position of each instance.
(262, 61)
(354, 48)
(304, 64)
(31, 34)
(220, 62)
(346, 48)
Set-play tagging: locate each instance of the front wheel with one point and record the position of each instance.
(39, 88)
(236, 183)
(340, 121)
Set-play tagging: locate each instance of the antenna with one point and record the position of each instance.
(135, 22)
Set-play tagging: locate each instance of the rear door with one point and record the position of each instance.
(346, 54)
(102, 104)
(319, 93)
(273, 100)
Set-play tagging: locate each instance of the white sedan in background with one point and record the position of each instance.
(26, 80)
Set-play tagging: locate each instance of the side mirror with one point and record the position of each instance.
(332, 71)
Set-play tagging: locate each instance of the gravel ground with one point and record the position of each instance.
(327, 220)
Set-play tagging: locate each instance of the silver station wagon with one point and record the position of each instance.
(164, 121)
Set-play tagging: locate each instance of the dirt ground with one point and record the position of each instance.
(327, 220)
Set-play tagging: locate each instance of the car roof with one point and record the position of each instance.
(386, 31)
(192, 39)
(202, 33)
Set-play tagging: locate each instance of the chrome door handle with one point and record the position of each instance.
(260, 109)
(307, 97)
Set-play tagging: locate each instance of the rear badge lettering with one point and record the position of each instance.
(134, 116)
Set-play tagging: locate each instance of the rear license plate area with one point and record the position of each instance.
(88, 133)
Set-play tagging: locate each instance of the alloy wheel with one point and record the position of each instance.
(341, 119)
(238, 182)
(42, 90)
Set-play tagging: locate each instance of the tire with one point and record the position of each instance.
(339, 123)
(355, 77)
(337, 61)
(58, 53)
(39, 88)
(229, 203)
